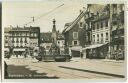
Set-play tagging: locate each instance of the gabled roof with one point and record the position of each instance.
(46, 37)
(74, 22)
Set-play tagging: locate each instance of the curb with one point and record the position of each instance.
(96, 72)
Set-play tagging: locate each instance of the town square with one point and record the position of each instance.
(84, 41)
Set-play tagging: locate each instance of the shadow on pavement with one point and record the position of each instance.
(20, 72)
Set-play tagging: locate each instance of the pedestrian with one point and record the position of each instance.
(16, 55)
(35, 55)
(90, 54)
(81, 55)
(24, 54)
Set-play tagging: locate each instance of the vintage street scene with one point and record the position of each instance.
(64, 40)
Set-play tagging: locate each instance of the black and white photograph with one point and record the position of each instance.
(0, 40)
(67, 39)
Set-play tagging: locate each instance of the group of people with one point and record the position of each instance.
(118, 54)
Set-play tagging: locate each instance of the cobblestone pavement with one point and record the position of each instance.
(75, 69)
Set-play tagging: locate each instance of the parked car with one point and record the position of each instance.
(62, 58)
(58, 58)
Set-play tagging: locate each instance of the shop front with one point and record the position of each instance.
(98, 51)
(76, 51)
(118, 48)
(19, 51)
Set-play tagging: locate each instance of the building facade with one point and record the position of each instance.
(22, 39)
(46, 41)
(104, 24)
(74, 35)
(117, 41)
(61, 43)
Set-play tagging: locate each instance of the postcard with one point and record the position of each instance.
(64, 39)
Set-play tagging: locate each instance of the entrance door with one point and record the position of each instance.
(75, 53)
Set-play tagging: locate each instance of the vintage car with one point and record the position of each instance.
(63, 58)
(57, 58)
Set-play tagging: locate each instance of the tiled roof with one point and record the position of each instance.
(74, 22)
(46, 37)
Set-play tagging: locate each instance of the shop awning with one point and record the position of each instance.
(19, 49)
(93, 46)
(76, 48)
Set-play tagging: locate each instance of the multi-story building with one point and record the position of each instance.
(117, 30)
(97, 30)
(60, 42)
(74, 35)
(34, 36)
(7, 42)
(46, 41)
(19, 39)
(104, 29)
(22, 39)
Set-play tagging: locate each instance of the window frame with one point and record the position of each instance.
(74, 42)
(97, 38)
(74, 35)
(102, 38)
(97, 26)
(106, 36)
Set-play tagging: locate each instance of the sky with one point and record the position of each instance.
(20, 13)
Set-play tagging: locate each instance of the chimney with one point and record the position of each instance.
(80, 11)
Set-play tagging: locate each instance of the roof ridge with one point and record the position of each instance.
(75, 21)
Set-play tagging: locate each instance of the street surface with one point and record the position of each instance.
(75, 69)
